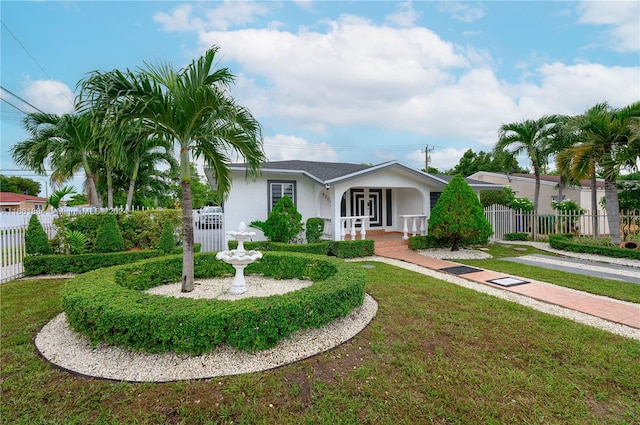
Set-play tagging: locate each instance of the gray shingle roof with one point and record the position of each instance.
(321, 170)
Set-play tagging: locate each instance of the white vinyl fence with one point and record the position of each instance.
(506, 220)
(13, 226)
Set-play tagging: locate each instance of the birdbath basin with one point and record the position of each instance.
(239, 258)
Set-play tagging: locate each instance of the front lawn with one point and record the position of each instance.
(435, 353)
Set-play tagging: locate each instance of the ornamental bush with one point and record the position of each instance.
(36, 240)
(167, 241)
(458, 217)
(284, 223)
(314, 229)
(109, 304)
(108, 238)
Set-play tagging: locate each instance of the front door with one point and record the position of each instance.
(367, 202)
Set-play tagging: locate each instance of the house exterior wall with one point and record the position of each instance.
(248, 201)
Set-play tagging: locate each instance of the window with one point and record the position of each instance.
(278, 188)
(37, 207)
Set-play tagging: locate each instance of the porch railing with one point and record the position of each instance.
(350, 223)
(418, 224)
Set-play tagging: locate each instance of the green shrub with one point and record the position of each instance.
(108, 238)
(518, 236)
(503, 196)
(35, 239)
(458, 216)
(77, 241)
(108, 304)
(426, 242)
(63, 264)
(522, 204)
(167, 241)
(340, 249)
(284, 222)
(565, 242)
(314, 229)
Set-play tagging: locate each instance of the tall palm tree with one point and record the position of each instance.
(533, 137)
(67, 142)
(191, 107)
(609, 138)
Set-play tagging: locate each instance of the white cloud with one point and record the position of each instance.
(225, 15)
(282, 147)
(462, 11)
(621, 17)
(49, 96)
(405, 16)
(356, 73)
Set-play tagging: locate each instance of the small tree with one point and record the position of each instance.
(503, 196)
(314, 229)
(284, 223)
(458, 217)
(109, 238)
(167, 242)
(35, 240)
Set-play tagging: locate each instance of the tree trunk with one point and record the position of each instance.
(536, 196)
(613, 210)
(594, 205)
(132, 185)
(187, 223)
(109, 189)
(560, 187)
(93, 193)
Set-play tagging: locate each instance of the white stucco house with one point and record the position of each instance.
(353, 199)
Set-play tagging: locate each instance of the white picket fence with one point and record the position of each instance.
(506, 220)
(13, 226)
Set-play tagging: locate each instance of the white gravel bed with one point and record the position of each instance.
(67, 349)
(461, 254)
(257, 286)
(585, 266)
(556, 310)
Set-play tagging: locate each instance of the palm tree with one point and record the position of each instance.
(67, 142)
(192, 108)
(55, 201)
(608, 139)
(533, 137)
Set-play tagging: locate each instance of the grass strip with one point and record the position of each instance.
(435, 353)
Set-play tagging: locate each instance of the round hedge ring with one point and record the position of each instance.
(110, 304)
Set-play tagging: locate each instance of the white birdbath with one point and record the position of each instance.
(239, 258)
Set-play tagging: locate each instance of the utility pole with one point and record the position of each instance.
(426, 158)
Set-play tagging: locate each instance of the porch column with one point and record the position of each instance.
(336, 199)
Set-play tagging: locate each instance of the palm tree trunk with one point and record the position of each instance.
(132, 184)
(594, 205)
(613, 210)
(93, 193)
(109, 188)
(187, 223)
(536, 197)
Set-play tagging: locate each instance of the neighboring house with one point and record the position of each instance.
(523, 185)
(17, 202)
(382, 196)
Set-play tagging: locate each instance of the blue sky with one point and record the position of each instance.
(361, 81)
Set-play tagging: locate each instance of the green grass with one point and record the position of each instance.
(435, 353)
(624, 291)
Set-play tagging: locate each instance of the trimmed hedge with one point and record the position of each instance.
(427, 242)
(517, 236)
(340, 249)
(564, 242)
(62, 264)
(108, 304)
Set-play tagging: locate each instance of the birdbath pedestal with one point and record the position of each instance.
(239, 258)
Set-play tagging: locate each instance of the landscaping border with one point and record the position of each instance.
(109, 304)
(564, 242)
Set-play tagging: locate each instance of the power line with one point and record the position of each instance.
(15, 95)
(36, 62)
(11, 104)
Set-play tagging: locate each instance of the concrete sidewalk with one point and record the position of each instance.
(609, 309)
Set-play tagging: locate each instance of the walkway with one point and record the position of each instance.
(612, 310)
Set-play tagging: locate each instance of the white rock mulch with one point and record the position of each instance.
(67, 349)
